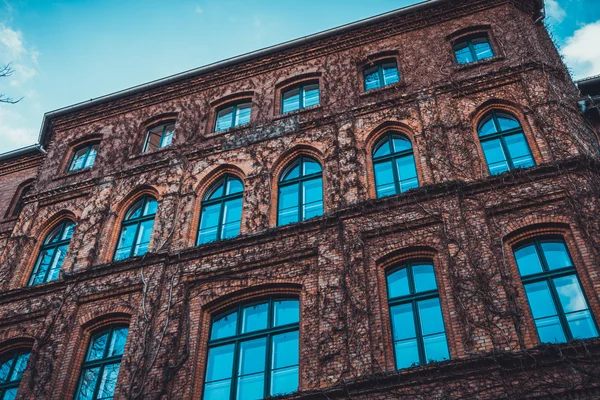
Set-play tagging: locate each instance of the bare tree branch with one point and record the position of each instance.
(5, 72)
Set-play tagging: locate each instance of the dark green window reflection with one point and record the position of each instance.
(416, 315)
(84, 158)
(136, 230)
(300, 97)
(221, 211)
(383, 74)
(394, 165)
(474, 49)
(100, 369)
(560, 310)
(12, 366)
(52, 254)
(504, 144)
(300, 191)
(253, 351)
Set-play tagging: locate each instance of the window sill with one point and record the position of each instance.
(463, 67)
(73, 173)
(388, 88)
(306, 110)
(151, 152)
(234, 129)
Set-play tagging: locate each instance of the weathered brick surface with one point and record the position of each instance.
(461, 218)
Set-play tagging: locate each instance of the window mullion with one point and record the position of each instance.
(47, 273)
(472, 50)
(559, 308)
(267, 381)
(98, 381)
(135, 238)
(419, 333)
(301, 99)
(233, 114)
(506, 153)
(381, 77)
(221, 222)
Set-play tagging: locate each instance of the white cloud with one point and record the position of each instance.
(13, 51)
(582, 52)
(199, 10)
(555, 11)
(15, 132)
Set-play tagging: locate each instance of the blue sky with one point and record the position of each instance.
(67, 51)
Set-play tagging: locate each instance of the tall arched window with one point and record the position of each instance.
(136, 229)
(52, 254)
(394, 165)
(416, 315)
(221, 210)
(12, 366)
(560, 310)
(253, 351)
(100, 370)
(300, 191)
(504, 143)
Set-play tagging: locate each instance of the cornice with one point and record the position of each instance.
(20, 164)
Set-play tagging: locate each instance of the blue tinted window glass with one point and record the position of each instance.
(482, 48)
(87, 384)
(401, 144)
(243, 114)
(291, 100)
(311, 167)
(251, 387)
(582, 325)
(407, 353)
(507, 122)
(224, 119)
(224, 327)
(143, 239)
(19, 367)
(407, 172)
(519, 151)
(496, 159)
(217, 390)
(528, 261)
(540, 300)
(288, 204)
(284, 381)
(398, 283)
(312, 197)
(556, 255)
(390, 74)
(135, 211)
(292, 172)
(286, 312)
(403, 322)
(79, 159)
(372, 78)
(436, 347)
(5, 369)
(463, 53)
(151, 207)
(424, 278)
(209, 223)
(384, 178)
(430, 315)
(220, 363)
(311, 95)
(234, 186)
(108, 381)
(252, 356)
(488, 127)
(382, 149)
(255, 317)
(217, 192)
(570, 294)
(117, 342)
(550, 330)
(284, 352)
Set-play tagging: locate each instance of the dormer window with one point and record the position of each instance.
(383, 73)
(84, 158)
(159, 137)
(473, 49)
(299, 97)
(233, 115)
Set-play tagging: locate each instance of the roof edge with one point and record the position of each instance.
(34, 148)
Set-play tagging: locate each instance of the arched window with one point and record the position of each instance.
(253, 351)
(221, 210)
(160, 136)
(136, 229)
(100, 369)
(560, 310)
(300, 191)
(417, 322)
(233, 115)
(52, 254)
(504, 143)
(12, 366)
(84, 157)
(394, 165)
(472, 49)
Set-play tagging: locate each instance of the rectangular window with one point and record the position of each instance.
(232, 116)
(381, 75)
(300, 97)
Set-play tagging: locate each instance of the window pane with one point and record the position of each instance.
(96, 350)
(285, 350)
(407, 172)
(291, 100)
(311, 167)
(286, 312)
(382, 149)
(483, 49)
(20, 366)
(224, 327)
(398, 283)
(220, 363)
(88, 384)
(232, 211)
(153, 139)
(215, 192)
(519, 151)
(143, 240)
(407, 353)
(550, 331)
(44, 260)
(210, 216)
(528, 261)
(436, 348)
(390, 74)
(582, 325)
(311, 95)
(292, 172)
(488, 127)
(540, 300)
(284, 381)
(57, 263)
(224, 119)
(5, 369)
(117, 345)
(167, 137)
(252, 356)
(234, 186)
(108, 382)
(10, 394)
(494, 155)
(463, 53)
(424, 278)
(251, 387)
(135, 211)
(79, 159)
(403, 322)
(288, 204)
(255, 317)
(243, 114)
(570, 294)
(384, 178)
(371, 78)
(312, 198)
(217, 390)
(401, 144)
(430, 314)
(556, 255)
(91, 158)
(507, 122)
(150, 208)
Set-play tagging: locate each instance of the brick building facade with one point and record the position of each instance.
(450, 215)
